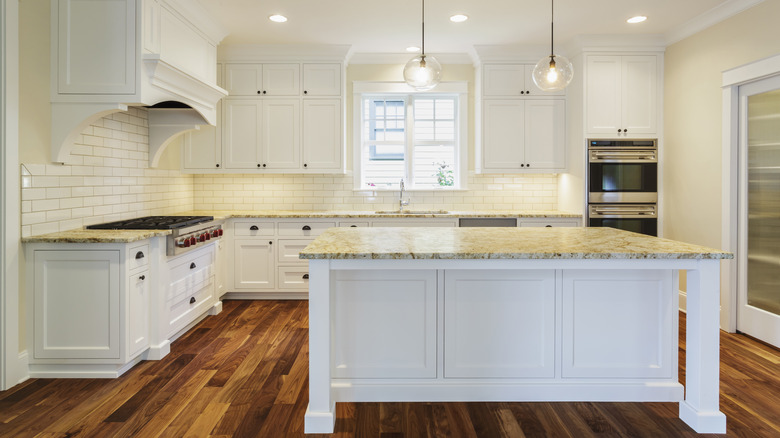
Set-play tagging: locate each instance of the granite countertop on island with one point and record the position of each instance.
(499, 243)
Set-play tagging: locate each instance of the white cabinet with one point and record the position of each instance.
(262, 134)
(522, 135)
(511, 80)
(322, 80)
(549, 223)
(497, 305)
(262, 79)
(138, 322)
(253, 264)
(621, 95)
(190, 291)
(386, 324)
(202, 148)
(322, 134)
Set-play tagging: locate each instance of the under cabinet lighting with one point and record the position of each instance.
(459, 18)
(276, 18)
(637, 19)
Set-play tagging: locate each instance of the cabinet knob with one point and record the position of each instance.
(305, 92)
(263, 91)
(139, 255)
(527, 165)
(192, 300)
(253, 228)
(619, 131)
(522, 92)
(270, 242)
(305, 276)
(142, 278)
(258, 165)
(217, 164)
(527, 92)
(192, 265)
(522, 165)
(263, 164)
(625, 130)
(305, 165)
(259, 92)
(306, 228)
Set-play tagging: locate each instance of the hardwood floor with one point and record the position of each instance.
(243, 373)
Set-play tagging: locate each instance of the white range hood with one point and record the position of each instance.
(109, 56)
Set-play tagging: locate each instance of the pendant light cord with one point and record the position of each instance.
(422, 49)
(552, 29)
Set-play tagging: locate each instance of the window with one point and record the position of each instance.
(411, 136)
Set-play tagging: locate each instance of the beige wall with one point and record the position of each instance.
(692, 117)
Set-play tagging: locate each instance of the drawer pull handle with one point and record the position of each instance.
(192, 300)
(353, 226)
(548, 226)
(253, 228)
(305, 276)
(142, 278)
(306, 228)
(139, 255)
(192, 265)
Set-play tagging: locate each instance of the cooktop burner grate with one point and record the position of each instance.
(152, 223)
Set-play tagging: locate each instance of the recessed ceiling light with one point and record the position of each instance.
(637, 19)
(413, 49)
(278, 18)
(459, 18)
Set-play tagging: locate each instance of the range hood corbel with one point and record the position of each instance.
(165, 124)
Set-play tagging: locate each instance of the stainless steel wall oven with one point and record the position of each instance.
(623, 184)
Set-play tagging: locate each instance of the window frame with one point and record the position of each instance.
(455, 89)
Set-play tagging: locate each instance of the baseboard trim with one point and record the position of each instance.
(266, 296)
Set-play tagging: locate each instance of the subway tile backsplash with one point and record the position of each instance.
(107, 178)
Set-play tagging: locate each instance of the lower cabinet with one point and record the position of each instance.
(191, 288)
(253, 264)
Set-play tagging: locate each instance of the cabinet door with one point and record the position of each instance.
(244, 79)
(545, 128)
(503, 134)
(497, 305)
(253, 264)
(242, 134)
(138, 315)
(281, 133)
(281, 80)
(322, 146)
(603, 95)
(503, 80)
(639, 91)
(77, 304)
(322, 79)
(203, 147)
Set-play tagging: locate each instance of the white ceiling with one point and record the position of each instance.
(389, 26)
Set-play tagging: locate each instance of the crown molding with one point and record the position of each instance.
(710, 18)
(403, 58)
(617, 43)
(282, 52)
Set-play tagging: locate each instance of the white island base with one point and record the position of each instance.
(545, 329)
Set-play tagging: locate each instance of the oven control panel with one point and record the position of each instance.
(193, 239)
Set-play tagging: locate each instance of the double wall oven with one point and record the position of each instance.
(623, 184)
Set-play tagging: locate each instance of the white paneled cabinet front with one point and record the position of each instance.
(616, 324)
(262, 134)
(522, 135)
(262, 79)
(281, 145)
(254, 264)
(322, 80)
(511, 80)
(621, 95)
(386, 321)
(77, 304)
(499, 305)
(322, 134)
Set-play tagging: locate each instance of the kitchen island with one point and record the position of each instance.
(511, 314)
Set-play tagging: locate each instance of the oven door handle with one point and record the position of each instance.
(620, 211)
(610, 156)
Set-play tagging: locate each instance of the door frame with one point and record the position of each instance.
(731, 162)
(13, 363)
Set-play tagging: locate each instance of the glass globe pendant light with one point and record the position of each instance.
(422, 72)
(553, 73)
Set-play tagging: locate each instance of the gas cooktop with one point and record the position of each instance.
(153, 223)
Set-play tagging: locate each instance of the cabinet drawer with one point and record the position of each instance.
(190, 273)
(138, 256)
(304, 229)
(294, 277)
(183, 311)
(549, 223)
(253, 228)
(289, 249)
(353, 224)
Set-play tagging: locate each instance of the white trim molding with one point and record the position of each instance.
(710, 18)
(732, 80)
(13, 367)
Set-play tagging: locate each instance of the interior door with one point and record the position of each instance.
(758, 275)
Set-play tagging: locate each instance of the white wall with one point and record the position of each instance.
(693, 113)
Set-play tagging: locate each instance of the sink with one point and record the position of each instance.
(412, 212)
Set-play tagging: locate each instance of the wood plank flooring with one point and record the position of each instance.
(243, 373)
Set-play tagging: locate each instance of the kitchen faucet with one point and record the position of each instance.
(401, 202)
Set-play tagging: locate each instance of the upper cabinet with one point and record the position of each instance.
(521, 128)
(512, 80)
(621, 95)
(263, 79)
(322, 80)
(108, 55)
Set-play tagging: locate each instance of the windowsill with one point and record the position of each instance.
(410, 190)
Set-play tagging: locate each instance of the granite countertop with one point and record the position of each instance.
(96, 236)
(388, 214)
(499, 243)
